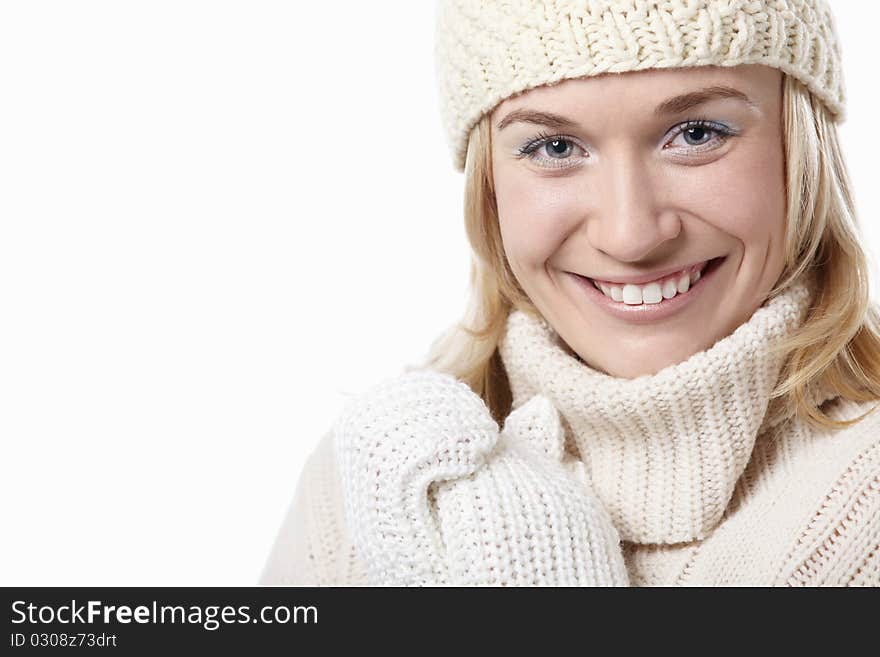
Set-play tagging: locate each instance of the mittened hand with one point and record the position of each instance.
(392, 443)
(529, 516)
(437, 495)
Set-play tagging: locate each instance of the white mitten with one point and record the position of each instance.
(436, 495)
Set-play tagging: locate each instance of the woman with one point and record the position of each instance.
(667, 371)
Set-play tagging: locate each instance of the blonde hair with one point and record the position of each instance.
(836, 349)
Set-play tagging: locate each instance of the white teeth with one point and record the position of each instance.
(650, 293)
(684, 283)
(632, 295)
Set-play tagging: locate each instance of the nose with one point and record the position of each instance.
(629, 221)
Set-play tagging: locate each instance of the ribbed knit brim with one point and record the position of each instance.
(489, 50)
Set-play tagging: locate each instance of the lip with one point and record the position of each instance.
(651, 312)
(642, 279)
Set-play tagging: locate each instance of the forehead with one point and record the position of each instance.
(643, 90)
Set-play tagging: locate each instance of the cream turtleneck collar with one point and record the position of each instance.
(664, 451)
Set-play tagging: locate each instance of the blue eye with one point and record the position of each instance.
(697, 133)
(555, 151)
(702, 134)
(558, 147)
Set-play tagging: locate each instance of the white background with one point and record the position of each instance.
(218, 220)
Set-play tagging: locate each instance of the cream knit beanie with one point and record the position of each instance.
(488, 50)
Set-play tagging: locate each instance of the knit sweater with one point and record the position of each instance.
(690, 476)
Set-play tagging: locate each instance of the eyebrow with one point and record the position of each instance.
(674, 105)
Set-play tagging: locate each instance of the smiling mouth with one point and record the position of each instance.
(658, 290)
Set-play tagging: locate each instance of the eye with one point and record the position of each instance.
(692, 137)
(699, 135)
(552, 151)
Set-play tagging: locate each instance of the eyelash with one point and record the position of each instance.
(722, 132)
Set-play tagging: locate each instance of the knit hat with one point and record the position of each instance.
(488, 50)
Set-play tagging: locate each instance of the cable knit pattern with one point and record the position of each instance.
(664, 451)
(489, 50)
(437, 495)
(680, 478)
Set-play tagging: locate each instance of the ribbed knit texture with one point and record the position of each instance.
(437, 495)
(678, 478)
(489, 50)
(314, 545)
(664, 451)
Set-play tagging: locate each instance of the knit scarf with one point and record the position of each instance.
(663, 451)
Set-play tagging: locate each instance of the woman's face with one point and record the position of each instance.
(643, 178)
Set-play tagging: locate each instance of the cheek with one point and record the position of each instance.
(743, 196)
(534, 218)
